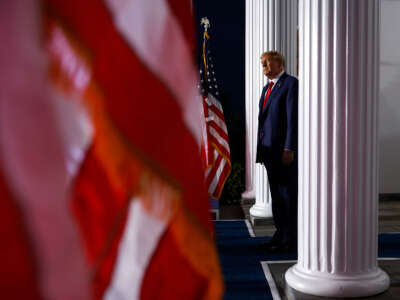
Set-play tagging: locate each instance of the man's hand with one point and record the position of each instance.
(287, 157)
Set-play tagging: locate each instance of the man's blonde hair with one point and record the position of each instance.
(276, 56)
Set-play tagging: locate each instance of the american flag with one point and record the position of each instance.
(215, 152)
(97, 199)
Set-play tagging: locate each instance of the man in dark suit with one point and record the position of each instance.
(277, 149)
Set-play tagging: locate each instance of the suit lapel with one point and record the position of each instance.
(274, 91)
(260, 104)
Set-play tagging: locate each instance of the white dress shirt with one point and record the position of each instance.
(275, 80)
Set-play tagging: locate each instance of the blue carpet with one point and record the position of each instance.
(240, 259)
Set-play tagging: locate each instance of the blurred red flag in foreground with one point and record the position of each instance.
(99, 153)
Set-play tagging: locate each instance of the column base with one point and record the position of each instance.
(261, 211)
(248, 195)
(335, 285)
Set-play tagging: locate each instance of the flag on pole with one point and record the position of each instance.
(215, 143)
(90, 150)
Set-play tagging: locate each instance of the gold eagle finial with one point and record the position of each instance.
(206, 23)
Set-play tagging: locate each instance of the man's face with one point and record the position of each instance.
(271, 68)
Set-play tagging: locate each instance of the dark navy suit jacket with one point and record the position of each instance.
(277, 123)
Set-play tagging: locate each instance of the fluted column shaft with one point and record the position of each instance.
(338, 109)
(270, 25)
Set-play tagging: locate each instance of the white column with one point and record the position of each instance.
(338, 109)
(270, 25)
(249, 151)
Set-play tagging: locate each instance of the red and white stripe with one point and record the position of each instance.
(218, 145)
(157, 39)
(44, 138)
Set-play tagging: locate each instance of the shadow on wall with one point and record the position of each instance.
(389, 131)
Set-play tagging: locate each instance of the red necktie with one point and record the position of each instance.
(271, 84)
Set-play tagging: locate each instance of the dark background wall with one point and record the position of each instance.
(227, 45)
